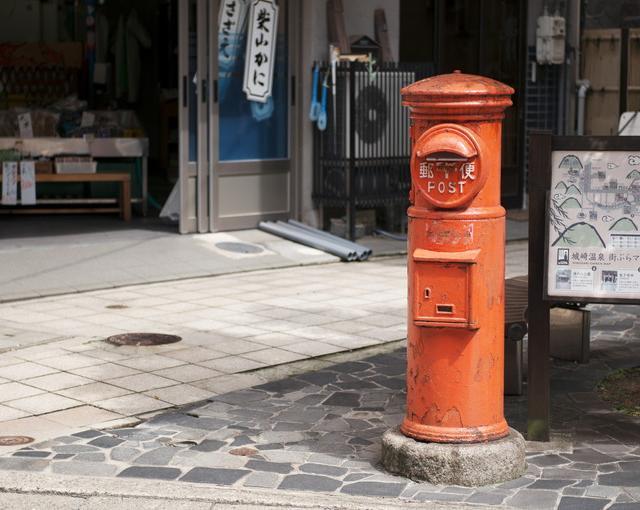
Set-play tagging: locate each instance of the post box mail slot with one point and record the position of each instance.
(446, 166)
(444, 283)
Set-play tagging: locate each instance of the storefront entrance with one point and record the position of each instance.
(235, 154)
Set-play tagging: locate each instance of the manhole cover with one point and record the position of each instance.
(143, 339)
(15, 440)
(116, 307)
(243, 451)
(239, 247)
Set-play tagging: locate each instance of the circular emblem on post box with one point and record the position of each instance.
(446, 166)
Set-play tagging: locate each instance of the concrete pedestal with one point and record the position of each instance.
(470, 465)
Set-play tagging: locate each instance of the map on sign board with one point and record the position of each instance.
(594, 225)
(261, 50)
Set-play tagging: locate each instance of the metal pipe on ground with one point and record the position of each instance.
(358, 254)
(391, 235)
(299, 236)
(363, 251)
(328, 235)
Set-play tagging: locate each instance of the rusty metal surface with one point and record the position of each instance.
(15, 440)
(143, 339)
(459, 94)
(244, 451)
(455, 357)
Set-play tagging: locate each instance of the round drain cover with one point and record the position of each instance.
(144, 339)
(239, 247)
(244, 451)
(15, 440)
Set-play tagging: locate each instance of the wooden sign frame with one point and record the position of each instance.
(578, 145)
(541, 146)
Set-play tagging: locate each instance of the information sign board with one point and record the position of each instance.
(593, 234)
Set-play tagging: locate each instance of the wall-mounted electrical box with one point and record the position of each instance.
(550, 39)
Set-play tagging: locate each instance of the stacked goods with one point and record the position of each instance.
(75, 165)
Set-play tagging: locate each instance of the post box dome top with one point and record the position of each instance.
(458, 92)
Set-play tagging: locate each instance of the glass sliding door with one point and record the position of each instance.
(250, 140)
(193, 114)
(235, 163)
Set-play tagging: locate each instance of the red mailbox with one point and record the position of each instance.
(455, 352)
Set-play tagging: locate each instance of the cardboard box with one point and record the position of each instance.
(44, 166)
(63, 54)
(76, 165)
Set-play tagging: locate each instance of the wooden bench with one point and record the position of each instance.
(569, 331)
(124, 200)
(515, 327)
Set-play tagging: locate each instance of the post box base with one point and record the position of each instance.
(435, 434)
(471, 465)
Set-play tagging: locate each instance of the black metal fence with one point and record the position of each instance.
(362, 158)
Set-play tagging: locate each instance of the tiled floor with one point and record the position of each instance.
(55, 358)
(319, 432)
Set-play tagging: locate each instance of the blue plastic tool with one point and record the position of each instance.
(322, 117)
(314, 111)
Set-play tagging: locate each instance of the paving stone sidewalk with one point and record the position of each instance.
(320, 432)
(57, 373)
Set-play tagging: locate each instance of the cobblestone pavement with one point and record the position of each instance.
(320, 432)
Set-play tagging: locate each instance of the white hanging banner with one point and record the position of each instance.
(9, 183)
(231, 19)
(27, 183)
(25, 125)
(261, 50)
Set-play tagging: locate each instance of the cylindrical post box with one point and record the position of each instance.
(455, 351)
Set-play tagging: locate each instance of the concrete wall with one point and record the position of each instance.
(358, 20)
(358, 15)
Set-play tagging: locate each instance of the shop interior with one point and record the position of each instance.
(88, 87)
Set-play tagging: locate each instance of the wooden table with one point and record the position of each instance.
(97, 148)
(124, 200)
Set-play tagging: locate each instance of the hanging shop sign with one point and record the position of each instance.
(231, 20)
(594, 225)
(9, 183)
(261, 49)
(27, 182)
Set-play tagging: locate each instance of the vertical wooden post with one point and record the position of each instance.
(382, 35)
(337, 33)
(538, 390)
(125, 199)
(624, 72)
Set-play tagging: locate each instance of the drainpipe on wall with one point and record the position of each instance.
(583, 87)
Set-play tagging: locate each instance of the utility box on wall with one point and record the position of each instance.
(550, 39)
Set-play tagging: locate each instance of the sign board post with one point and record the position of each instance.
(538, 375)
